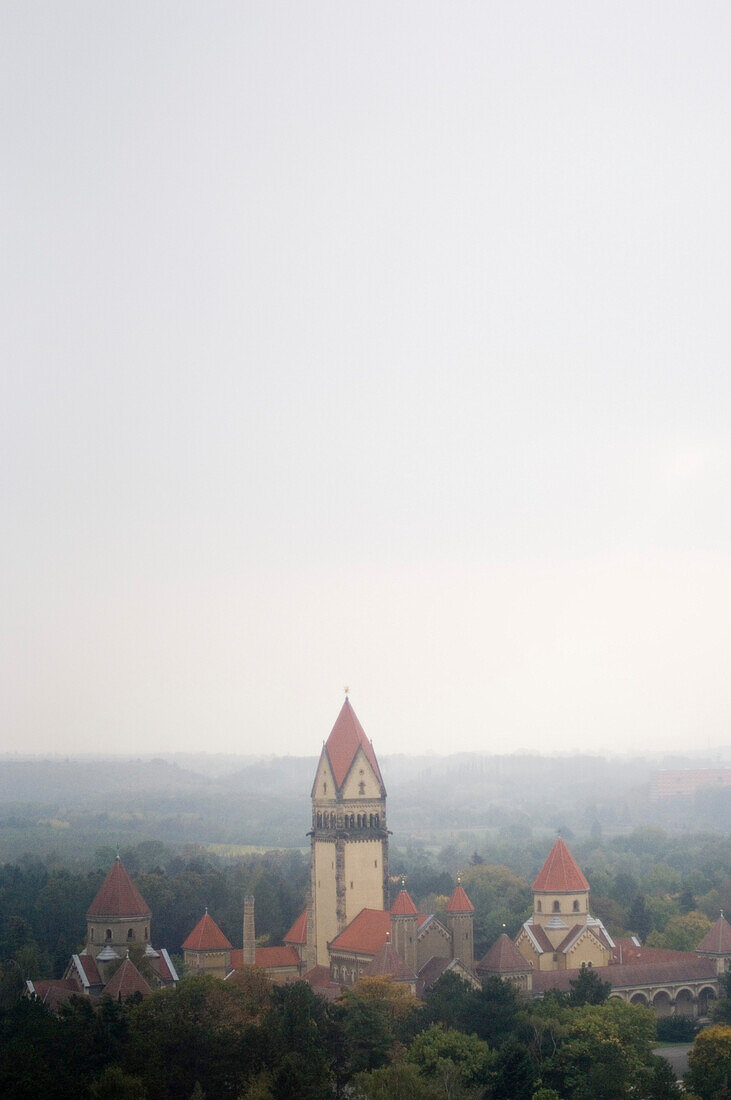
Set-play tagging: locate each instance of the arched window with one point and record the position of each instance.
(576, 906)
(361, 787)
(130, 933)
(556, 907)
(108, 934)
(319, 821)
(91, 935)
(539, 907)
(352, 821)
(147, 935)
(378, 821)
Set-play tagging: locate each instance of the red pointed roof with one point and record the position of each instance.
(560, 874)
(503, 957)
(366, 933)
(125, 981)
(459, 902)
(207, 936)
(346, 737)
(298, 931)
(118, 896)
(718, 940)
(403, 905)
(388, 963)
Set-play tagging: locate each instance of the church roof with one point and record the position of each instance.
(346, 737)
(207, 936)
(718, 940)
(459, 902)
(560, 874)
(503, 956)
(403, 905)
(125, 981)
(271, 957)
(118, 896)
(298, 931)
(366, 933)
(388, 963)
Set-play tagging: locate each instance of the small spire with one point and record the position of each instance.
(388, 937)
(459, 880)
(206, 910)
(403, 883)
(117, 851)
(347, 691)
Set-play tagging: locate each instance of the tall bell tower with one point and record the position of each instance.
(349, 837)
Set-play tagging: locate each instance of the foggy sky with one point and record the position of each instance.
(372, 344)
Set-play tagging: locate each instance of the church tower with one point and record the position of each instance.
(349, 838)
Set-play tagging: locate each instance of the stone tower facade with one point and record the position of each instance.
(560, 894)
(460, 922)
(349, 837)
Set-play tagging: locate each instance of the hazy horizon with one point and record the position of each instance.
(374, 345)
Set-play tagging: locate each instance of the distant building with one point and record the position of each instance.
(683, 783)
(562, 936)
(118, 922)
(347, 930)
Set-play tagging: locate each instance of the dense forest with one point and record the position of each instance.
(247, 1040)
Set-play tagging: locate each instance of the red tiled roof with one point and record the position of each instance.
(298, 931)
(118, 896)
(319, 979)
(270, 957)
(55, 992)
(388, 963)
(91, 970)
(570, 935)
(432, 970)
(125, 981)
(366, 933)
(503, 957)
(403, 905)
(540, 935)
(459, 902)
(718, 940)
(632, 955)
(207, 936)
(620, 977)
(161, 967)
(560, 874)
(346, 737)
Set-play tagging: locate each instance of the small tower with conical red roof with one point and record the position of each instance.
(349, 838)
(404, 927)
(560, 894)
(460, 922)
(207, 950)
(118, 918)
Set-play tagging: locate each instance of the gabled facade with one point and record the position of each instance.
(562, 934)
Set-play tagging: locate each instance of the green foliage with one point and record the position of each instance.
(710, 1063)
(721, 1011)
(588, 988)
(115, 1084)
(467, 1055)
(682, 933)
(676, 1029)
(398, 1082)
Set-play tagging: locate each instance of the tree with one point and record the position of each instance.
(115, 1084)
(588, 988)
(721, 1011)
(366, 1033)
(399, 1082)
(441, 1051)
(682, 933)
(514, 1073)
(710, 1063)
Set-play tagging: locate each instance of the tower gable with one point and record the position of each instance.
(362, 781)
(324, 786)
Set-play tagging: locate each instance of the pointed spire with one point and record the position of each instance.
(403, 905)
(346, 737)
(459, 902)
(118, 896)
(560, 873)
